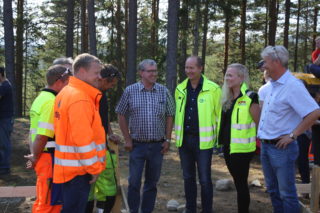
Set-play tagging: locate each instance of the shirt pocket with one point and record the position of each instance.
(160, 107)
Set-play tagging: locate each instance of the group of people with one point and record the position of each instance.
(70, 133)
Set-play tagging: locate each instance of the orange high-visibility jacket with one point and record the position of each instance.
(80, 137)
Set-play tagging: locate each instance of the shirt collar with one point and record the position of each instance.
(91, 91)
(199, 84)
(282, 80)
(141, 86)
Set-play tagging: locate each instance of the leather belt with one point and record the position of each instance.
(272, 141)
(151, 141)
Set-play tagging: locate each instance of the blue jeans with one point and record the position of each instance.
(191, 158)
(6, 126)
(75, 194)
(279, 172)
(146, 155)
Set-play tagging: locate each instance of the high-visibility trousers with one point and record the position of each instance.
(43, 171)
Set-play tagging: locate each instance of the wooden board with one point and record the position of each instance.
(315, 189)
(118, 204)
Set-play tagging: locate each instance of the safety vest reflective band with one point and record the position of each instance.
(78, 163)
(80, 149)
(45, 125)
(50, 144)
(208, 102)
(243, 128)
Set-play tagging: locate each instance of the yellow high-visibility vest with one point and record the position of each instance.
(243, 128)
(209, 109)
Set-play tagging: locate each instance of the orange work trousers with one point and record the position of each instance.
(43, 170)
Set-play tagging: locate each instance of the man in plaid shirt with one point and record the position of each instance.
(150, 109)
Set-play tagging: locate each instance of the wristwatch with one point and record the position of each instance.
(167, 140)
(292, 136)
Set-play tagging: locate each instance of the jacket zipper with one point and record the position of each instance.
(237, 115)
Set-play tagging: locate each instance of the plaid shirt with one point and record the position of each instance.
(147, 111)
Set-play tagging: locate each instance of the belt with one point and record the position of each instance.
(272, 141)
(151, 141)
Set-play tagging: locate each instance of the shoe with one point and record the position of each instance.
(5, 171)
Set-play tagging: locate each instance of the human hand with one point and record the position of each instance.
(31, 162)
(128, 146)
(284, 141)
(114, 138)
(94, 179)
(165, 147)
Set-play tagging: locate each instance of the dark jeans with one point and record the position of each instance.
(105, 205)
(316, 143)
(6, 126)
(238, 165)
(191, 158)
(146, 155)
(303, 158)
(75, 194)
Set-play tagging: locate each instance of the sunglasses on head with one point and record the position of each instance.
(65, 73)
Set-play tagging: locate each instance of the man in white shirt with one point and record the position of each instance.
(288, 110)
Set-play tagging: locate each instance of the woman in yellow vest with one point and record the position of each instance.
(239, 118)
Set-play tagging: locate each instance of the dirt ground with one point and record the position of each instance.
(169, 187)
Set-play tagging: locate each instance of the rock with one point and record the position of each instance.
(224, 184)
(256, 183)
(172, 205)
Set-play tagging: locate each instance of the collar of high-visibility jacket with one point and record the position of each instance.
(85, 87)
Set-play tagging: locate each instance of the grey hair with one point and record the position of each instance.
(63, 61)
(227, 95)
(317, 38)
(277, 52)
(142, 65)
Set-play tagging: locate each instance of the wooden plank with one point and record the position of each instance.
(118, 203)
(303, 188)
(315, 189)
(303, 208)
(17, 191)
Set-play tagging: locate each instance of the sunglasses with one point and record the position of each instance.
(65, 73)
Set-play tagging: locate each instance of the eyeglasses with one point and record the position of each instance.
(65, 73)
(151, 71)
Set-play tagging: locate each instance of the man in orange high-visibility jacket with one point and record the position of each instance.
(42, 138)
(80, 137)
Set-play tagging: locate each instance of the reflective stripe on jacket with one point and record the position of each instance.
(80, 137)
(208, 112)
(41, 115)
(243, 128)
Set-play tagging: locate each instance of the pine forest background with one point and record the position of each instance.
(123, 32)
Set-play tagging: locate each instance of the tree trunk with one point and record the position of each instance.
(126, 20)
(19, 57)
(196, 30)
(9, 46)
(243, 31)
(286, 24)
(112, 48)
(132, 43)
(154, 28)
(25, 72)
(306, 33)
(84, 27)
(184, 36)
(205, 31)
(70, 27)
(272, 22)
(297, 38)
(92, 28)
(119, 55)
(315, 22)
(226, 41)
(171, 75)
(266, 24)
